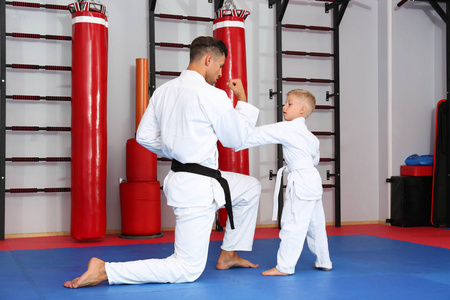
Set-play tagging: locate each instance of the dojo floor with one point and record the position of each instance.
(369, 262)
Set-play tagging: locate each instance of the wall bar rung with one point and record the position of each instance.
(37, 67)
(38, 159)
(37, 5)
(39, 36)
(322, 133)
(305, 27)
(172, 45)
(37, 128)
(38, 98)
(312, 80)
(168, 73)
(326, 159)
(324, 107)
(180, 17)
(163, 159)
(304, 53)
(325, 186)
(328, 186)
(37, 190)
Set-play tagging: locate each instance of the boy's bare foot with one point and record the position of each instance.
(94, 275)
(322, 268)
(274, 272)
(230, 259)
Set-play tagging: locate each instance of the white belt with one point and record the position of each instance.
(298, 165)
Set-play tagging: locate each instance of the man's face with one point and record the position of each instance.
(214, 70)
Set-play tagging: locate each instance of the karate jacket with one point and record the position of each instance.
(184, 119)
(301, 154)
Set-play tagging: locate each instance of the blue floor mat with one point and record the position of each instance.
(364, 267)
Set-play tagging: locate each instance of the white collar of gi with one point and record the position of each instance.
(299, 119)
(192, 73)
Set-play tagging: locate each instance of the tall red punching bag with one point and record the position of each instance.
(89, 82)
(228, 26)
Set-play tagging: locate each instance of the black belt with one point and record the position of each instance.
(202, 170)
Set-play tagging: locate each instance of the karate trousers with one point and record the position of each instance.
(192, 236)
(300, 220)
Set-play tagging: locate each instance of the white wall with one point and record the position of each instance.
(384, 64)
(413, 72)
(359, 117)
(417, 84)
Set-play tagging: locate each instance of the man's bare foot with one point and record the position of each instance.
(94, 275)
(230, 259)
(274, 272)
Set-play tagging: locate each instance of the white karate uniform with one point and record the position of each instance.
(184, 119)
(303, 215)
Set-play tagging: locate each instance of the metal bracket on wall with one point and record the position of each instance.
(272, 174)
(271, 3)
(329, 174)
(272, 93)
(328, 96)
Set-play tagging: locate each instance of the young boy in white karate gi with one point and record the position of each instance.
(303, 215)
(184, 119)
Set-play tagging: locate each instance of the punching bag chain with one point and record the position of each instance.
(228, 4)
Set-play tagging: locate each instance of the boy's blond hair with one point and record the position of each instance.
(306, 96)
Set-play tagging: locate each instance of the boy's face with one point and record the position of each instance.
(294, 108)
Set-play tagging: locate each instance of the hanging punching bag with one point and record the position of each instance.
(228, 26)
(89, 82)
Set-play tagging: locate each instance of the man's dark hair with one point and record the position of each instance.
(203, 45)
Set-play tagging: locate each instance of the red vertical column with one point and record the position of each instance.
(89, 88)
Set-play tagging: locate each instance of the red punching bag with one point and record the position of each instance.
(89, 85)
(228, 26)
(141, 209)
(141, 163)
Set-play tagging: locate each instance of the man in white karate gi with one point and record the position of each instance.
(184, 119)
